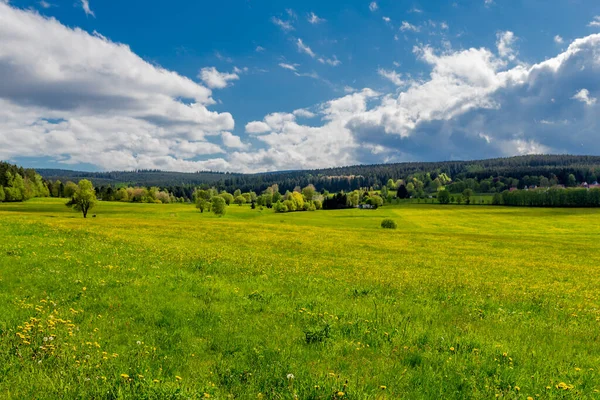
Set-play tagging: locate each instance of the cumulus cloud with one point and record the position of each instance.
(558, 39)
(80, 98)
(217, 80)
(231, 141)
(584, 96)
(85, 4)
(504, 43)
(392, 76)
(595, 23)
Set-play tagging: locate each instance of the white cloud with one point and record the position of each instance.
(233, 142)
(373, 6)
(215, 79)
(304, 48)
(260, 49)
(415, 10)
(80, 98)
(488, 3)
(334, 62)
(393, 76)
(314, 19)
(386, 19)
(291, 67)
(406, 26)
(286, 26)
(504, 43)
(595, 23)
(257, 127)
(85, 4)
(584, 96)
(558, 39)
(44, 4)
(444, 26)
(303, 113)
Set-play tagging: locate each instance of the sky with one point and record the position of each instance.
(253, 86)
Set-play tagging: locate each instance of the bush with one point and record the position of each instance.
(388, 224)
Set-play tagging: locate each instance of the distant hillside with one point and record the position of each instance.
(351, 177)
(137, 178)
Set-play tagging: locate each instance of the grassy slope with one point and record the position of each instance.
(459, 302)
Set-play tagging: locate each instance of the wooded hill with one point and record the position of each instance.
(584, 168)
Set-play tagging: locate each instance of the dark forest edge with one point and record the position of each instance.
(536, 180)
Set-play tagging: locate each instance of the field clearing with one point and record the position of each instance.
(160, 301)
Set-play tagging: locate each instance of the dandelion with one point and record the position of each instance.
(290, 376)
(340, 394)
(178, 378)
(517, 388)
(124, 376)
(451, 348)
(206, 395)
(138, 343)
(382, 387)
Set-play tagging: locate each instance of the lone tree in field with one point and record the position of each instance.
(84, 197)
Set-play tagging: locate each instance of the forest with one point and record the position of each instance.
(511, 172)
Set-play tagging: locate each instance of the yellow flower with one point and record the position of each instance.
(451, 348)
(206, 395)
(382, 387)
(124, 376)
(340, 394)
(517, 388)
(178, 378)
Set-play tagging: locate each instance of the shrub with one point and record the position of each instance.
(388, 224)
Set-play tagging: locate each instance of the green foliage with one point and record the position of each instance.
(219, 205)
(202, 204)
(388, 224)
(443, 197)
(466, 196)
(70, 189)
(553, 197)
(228, 197)
(84, 197)
(2, 195)
(240, 200)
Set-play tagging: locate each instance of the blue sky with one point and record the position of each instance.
(276, 85)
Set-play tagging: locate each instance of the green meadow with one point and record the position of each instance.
(162, 302)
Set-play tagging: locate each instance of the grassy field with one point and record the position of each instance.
(160, 301)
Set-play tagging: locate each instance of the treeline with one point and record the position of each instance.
(20, 184)
(510, 172)
(553, 197)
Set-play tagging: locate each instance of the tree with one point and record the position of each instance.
(466, 195)
(402, 192)
(443, 197)
(84, 197)
(571, 181)
(309, 192)
(69, 189)
(239, 200)
(218, 205)
(2, 196)
(202, 204)
(237, 193)
(228, 197)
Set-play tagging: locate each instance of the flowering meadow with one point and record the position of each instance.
(159, 301)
